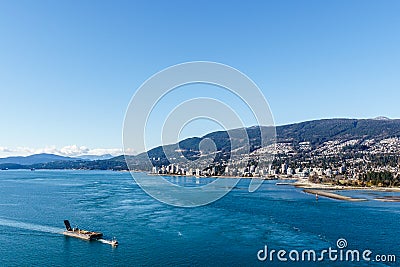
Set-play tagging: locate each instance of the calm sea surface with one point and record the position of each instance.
(228, 232)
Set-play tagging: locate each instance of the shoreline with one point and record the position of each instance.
(299, 182)
(313, 188)
(225, 177)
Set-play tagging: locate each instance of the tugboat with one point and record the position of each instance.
(113, 242)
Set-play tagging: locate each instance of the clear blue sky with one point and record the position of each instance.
(69, 68)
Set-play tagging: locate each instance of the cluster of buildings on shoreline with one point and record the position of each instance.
(326, 168)
(347, 160)
(249, 171)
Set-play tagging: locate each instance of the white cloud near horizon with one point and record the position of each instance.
(67, 151)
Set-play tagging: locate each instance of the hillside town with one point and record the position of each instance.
(348, 162)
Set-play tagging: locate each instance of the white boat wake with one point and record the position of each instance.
(30, 226)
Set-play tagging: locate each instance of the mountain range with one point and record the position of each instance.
(352, 135)
(45, 158)
(316, 134)
(34, 159)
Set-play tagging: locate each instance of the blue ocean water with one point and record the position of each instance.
(228, 232)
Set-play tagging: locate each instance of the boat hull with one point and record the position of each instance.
(85, 235)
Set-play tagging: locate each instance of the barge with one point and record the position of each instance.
(86, 235)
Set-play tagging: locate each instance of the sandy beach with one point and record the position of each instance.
(388, 199)
(332, 195)
(303, 183)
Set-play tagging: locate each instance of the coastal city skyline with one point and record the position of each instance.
(67, 92)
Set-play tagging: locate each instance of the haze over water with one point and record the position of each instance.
(230, 231)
